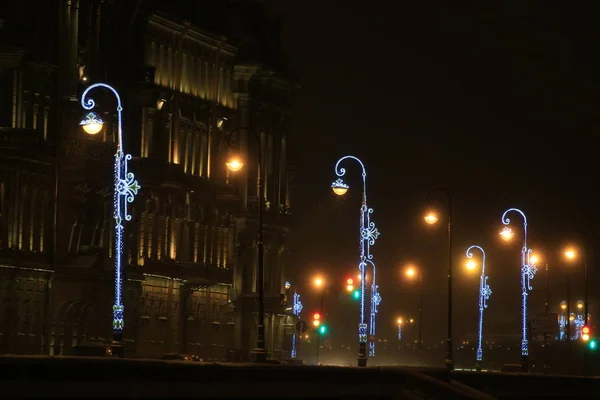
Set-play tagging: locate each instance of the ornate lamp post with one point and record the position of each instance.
(368, 233)
(484, 295)
(296, 309)
(125, 189)
(528, 270)
(235, 165)
(431, 218)
(399, 322)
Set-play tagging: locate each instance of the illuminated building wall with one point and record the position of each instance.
(190, 249)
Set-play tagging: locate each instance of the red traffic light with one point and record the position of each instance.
(350, 281)
(317, 316)
(585, 333)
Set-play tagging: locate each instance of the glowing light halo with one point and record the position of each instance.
(484, 295)
(368, 234)
(125, 190)
(528, 271)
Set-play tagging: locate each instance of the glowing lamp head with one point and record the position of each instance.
(570, 254)
(572, 318)
(287, 285)
(91, 124)
(234, 165)
(399, 321)
(471, 265)
(411, 320)
(534, 259)
(580, 305)
(507, 234)
(563, 305)
(431, 218)
(359, 277)
(411, 272)
(339, 187)
(318, 282)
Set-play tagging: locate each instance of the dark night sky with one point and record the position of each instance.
(494, 102)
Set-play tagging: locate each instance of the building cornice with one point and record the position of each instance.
(217, 42)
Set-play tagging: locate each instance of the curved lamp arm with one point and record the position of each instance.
(89, 103)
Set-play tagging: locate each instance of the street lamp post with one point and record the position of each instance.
(484, 295)
(125, 189)
(320, 284)
(234, 166)
(368, 233)
(432, 219)
(399, 322)
(528, 270)
(296, 309)
(411, 272)
(571, 255)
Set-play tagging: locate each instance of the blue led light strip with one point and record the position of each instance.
(484, 295)
(528, 270)
(368, 234)
(125, 189)
(296, 309)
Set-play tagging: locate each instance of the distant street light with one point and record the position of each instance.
(431, 218)
(296, 309)
(484, 295)
(399, 321)
(572, 255)
(234, 165)
(368, 233)
(411, 273)
(528, 270)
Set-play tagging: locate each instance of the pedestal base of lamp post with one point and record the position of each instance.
(259, 355)
(362, 354)
(117, 348)
(525, 364)
(449, 364)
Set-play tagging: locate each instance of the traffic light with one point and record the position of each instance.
(316, 319)
(356, 294)
(323, 330)
(593, 344)
(350, 284)
(585, 333)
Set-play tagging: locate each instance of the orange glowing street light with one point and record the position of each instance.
(507, 234)
(570, 254)
(431, 217)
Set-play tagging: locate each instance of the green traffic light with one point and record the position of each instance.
(356, 294)
(322, 329)
(593, 344)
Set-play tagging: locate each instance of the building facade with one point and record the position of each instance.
(191, 99)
